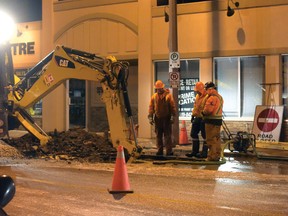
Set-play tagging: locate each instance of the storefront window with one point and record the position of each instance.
(189, 75)
(239, 80)
(285, 85)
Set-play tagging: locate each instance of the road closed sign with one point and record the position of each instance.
(267, 123)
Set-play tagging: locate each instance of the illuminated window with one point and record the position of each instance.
(238, 80)
(189, 75)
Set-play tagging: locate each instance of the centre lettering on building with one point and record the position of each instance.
(24, 48)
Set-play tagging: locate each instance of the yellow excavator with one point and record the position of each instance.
(62, 64)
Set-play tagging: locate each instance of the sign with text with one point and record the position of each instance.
(267, 123)
(174, 60)
(186, 96)
(174, 78)
(26, 47)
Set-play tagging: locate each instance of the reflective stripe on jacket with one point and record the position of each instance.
(213, 108)
(162, 105)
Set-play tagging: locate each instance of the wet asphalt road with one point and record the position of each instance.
(241, 186)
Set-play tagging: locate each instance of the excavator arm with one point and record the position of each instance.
(66, 63)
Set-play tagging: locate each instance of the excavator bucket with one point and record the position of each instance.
(6, 79)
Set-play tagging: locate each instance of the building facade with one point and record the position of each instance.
(244, 54)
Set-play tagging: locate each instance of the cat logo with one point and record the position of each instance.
(62, 62)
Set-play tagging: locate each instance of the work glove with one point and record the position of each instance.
(151, 121)
(172, 120)
(192, 118)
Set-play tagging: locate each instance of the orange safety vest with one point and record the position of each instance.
(199, 105)
(162, 105)
(214, 106)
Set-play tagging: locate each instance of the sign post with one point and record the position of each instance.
(174, 56)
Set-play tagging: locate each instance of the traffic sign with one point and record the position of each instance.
(174, 78)
(268, 120)
(267, 123)
(174, 60)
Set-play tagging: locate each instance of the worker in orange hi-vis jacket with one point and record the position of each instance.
(197, 121)
(162, 111)
(212, 114)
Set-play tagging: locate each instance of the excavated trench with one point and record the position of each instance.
(72, 145)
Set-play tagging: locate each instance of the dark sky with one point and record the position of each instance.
(23, 10)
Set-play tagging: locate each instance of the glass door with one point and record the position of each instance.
(77, 103)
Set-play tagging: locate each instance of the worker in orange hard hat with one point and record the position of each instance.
(162, 111)
(198, 124)
(159, 85)
(212, 115)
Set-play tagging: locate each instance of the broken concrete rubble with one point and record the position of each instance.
(72, 145)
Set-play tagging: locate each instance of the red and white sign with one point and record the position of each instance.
(268, 122)
(174, 76)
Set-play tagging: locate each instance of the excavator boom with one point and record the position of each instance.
(65, 63)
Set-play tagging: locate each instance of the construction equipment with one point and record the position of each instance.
(240, 141)
(60, 65)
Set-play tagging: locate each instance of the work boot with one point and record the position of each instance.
(212, 159)
(169, 154)
(202, 155)
(204, 152)
(159, 153)
(193, 154)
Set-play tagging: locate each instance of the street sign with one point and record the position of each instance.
(267, 120)
(267, 123)
(174, 60)
(174, 78)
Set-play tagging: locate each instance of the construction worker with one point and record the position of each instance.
(162, 111)
(198, 124)
(212, 115)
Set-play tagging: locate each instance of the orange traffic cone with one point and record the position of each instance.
(120, 182)
(183, 139)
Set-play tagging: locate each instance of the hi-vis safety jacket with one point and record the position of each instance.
(199, 104)
(162, 105)
(213, 108)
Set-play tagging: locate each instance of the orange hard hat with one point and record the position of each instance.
(159, 84)
(199, 87)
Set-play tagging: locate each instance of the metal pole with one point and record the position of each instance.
(173, 47)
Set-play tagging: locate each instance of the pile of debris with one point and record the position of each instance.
(72, 145)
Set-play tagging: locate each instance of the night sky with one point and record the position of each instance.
(23, 10)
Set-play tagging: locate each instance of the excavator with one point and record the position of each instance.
(64, 63)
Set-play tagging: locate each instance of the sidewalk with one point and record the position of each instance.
(263, 151)
(149, 147)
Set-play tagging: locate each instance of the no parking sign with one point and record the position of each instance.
(267, 123)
